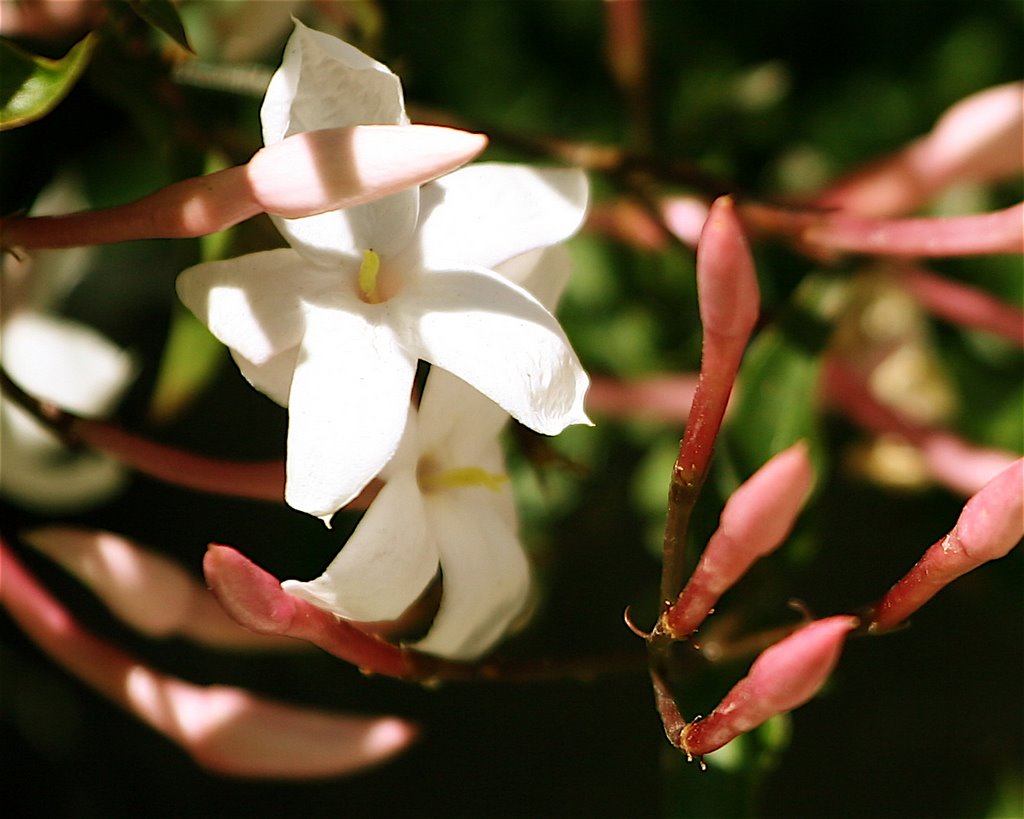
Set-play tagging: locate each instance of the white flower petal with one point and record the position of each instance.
(490, 212)
(459, 422)
(326, 83)
(274, 376)
(65, 362)
(497, 337)
(254, 303)
(385, 565)
(348, 404)
(544, 272)
(485, 573)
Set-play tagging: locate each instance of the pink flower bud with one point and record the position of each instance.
(756, 520)
(255, 599)
(782, 678)
(227, 730)
(991, 524)
(726, 281)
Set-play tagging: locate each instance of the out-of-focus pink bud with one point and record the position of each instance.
(685, 217)
(302, 175)
(964, 305)
(977, 234)
(782, 678)
(756, 519)
(991, 524)
(144, 589)
(227, 730)
(627, 221)
(256, 600)
(981, 138)
(662, 398)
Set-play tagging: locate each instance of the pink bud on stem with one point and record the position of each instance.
(302, 175)
(827, 234)
(979, 139)
(729, 304)
(254, 598)
(227, 730)
(782, 678)
(661, 398)
(756, 519)
(991, 524)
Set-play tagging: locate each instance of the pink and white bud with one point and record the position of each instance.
(338, 168)
(979, 139)
(991, 524)
(302, 175)
(227, 730)
(782, 678)
(255, 599)
(756, 519)
(147, 591)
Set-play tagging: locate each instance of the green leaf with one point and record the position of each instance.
(32, 86)
(162, 15)
(777, 402)
(192, 357)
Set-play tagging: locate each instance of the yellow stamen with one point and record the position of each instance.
(463, 476)
(368, 271)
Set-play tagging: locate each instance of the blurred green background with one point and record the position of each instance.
(774, 96)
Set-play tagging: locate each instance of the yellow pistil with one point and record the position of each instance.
(368, 271)
(462, 476)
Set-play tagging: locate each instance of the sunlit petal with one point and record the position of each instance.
(253, 303)
(347, 406)
(498, 338)
(488, 213)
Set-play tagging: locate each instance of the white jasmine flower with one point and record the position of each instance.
(447, 504)
(77, 369)
(333, 327)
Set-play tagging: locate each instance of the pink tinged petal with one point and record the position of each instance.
(991, 524)
(782, 678)
(496, 337)
(348, 404)
(757, 518)
(227, 730)
(144, 589)
(336, 168)
(485, 573)
(255, 599)
(326, 83)
(386, 564)
(254, 303)
(490, 212)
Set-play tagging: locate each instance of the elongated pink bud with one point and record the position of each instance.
(782, 678)
(991, 524)
(757, 518)
(254, 598)
(726, 280)
(227, 730)
(338, 168)
(302, 175)
(977, 140)
(144, 589)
